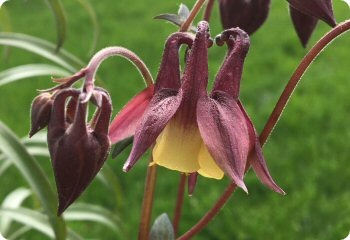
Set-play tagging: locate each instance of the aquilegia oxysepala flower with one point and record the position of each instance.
(306, 13)
(194, 132)
(250, 15)
(78, 149)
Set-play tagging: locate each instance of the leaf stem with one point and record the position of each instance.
(147, 203)
(197, 6)
(273, 119)
(179, 203)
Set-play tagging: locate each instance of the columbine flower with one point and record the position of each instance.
(250, 15)
(77, 149)
(194, 132)
(306, 13)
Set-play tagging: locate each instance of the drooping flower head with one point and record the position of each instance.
(248, 15)
(194, 132)
(251, 14)
(78, 149)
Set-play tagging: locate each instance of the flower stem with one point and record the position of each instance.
(208, 10)
(147, 203)
(197, 6)
(179, 203)
(105, 53)
(273, 119)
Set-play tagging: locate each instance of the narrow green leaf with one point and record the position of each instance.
(109, 178)
(162, 229)
(35, 220)
(89, 212)
(5, 26)
(119, 147)
(4, 165)
(183, 11)
(61, 22)
(16, 152)
(12, 200)
(30, 70)
(42, 48)
(96, 26)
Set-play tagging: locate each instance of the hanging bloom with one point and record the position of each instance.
(78, 149)
(248, 15)
(40, 112)
(306, 13)
(251, 14)
(194, 132)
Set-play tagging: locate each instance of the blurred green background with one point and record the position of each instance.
(308, 152)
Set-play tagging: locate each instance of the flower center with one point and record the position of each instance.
(182, 149)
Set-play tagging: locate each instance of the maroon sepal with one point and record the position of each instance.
(78, 149)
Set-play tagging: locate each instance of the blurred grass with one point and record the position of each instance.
(307, 154)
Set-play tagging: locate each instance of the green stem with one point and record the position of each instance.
(273, 119)
(196, 8)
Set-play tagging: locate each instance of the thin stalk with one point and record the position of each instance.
(273, 119)
(179, 202)
(197, 6)
(208, 10)
(147, 203)
(105, 53)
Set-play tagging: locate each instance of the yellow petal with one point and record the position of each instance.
(208, 167)
(178, 148)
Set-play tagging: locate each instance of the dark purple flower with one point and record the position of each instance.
(306, 13)
(40, 112)
(251, 14)
(248, 15)
(194, 132)
(77, 149)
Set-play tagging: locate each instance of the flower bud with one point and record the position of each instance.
(247, 15)
(40, 112)
(78, 150)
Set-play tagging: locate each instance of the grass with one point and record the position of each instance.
(307, 153)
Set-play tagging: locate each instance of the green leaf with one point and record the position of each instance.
(119, 147)
(96, 26)
(61, 22)
(35, 220)
(162, 229)
(5, 26)
(30, 70)
(109, 178)
(16, 152)
(42, 48)
(89, 212)
(12, 200)
(183, 12)
(347, 2)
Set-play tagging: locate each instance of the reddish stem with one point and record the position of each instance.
(196, 8)
(208, 10)
(147, 203)
(273, 119)
(179, 203)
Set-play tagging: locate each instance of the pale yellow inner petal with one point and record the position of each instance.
(208, 168)
(183, 150)
(177, 149)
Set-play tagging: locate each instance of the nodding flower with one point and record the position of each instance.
(194, 132)
(251, 14)
(78, 149)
